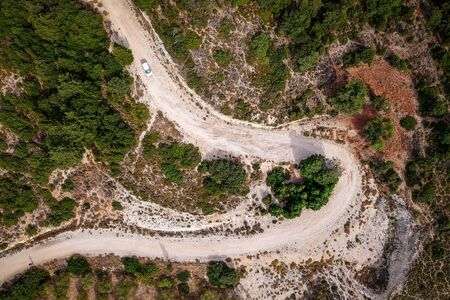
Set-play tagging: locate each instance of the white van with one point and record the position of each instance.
(147, 69)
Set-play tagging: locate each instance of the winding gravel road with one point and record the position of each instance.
(213, 133)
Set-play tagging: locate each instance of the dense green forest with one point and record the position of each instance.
(71, 83)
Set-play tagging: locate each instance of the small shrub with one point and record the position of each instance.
(267, 200)
(225, 27)
(31, 230)
(398, 63)
(183, 276)
(206, 207)
(116, 205)
(409, 123)
(222, 276)
(125, 289)
(104, 286)
(149, 269)
(425, 194)
(165, 282)
(192, 40)
(78, 266)
(131, 265)
(380, 103)
(222, 57)
(183, 288)
(363, 55)
(68, 185)
(87, 281)
(219, 77)
(386, 173)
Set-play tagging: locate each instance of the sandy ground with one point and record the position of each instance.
(214, 134)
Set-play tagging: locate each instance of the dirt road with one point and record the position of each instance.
(213, 133)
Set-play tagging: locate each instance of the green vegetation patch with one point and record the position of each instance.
(385, 172)
(222, 276)
(223, 176)
(350, 98)
(61, 49)
(116, 205)
(225, 27)
(380, 103)
(123, 55)
(31, 230)
(173, 158)
(378, 131)
(361, 55)
(27, 286)
(16, 199)
(60, 211)
(271, 70)
(408, 122)
(222, 57)
(318, 180)
(78, 266)
(398, 63)
(429, 102)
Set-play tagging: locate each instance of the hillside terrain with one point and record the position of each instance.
(279, 150)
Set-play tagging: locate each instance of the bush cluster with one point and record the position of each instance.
(272, 71)
(408, 122)
(222, 57)
(222, 276)
(361, 55)
(378, 131)
(174, 157)
(350, 98)
(60, 211)
(16, 199)
(313, 192)
(223, 176)
(27, 286)
(397, 62)
(78, 266)
(385, 172)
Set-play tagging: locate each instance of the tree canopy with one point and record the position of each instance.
(223, 176)
(222, 276)
(378, 131)
(318, 181)
(61, 49)
(350, 98)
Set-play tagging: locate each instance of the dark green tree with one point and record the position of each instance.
(78, 266)
(409, 123)
(350, 98)
(222, 276)
(379, 131)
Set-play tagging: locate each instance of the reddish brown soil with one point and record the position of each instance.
(384, 79)
(397, 88)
